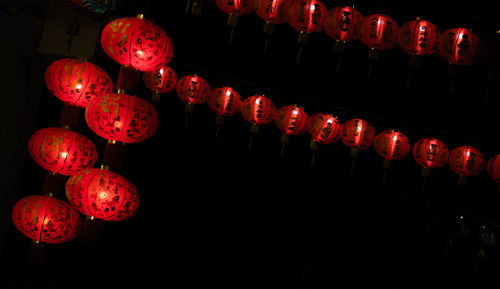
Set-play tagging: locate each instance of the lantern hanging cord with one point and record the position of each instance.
(272, 91)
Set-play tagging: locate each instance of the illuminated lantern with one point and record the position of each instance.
(306, 16)
(290, 120)
(102, 194)
(223, 101)
(341, 23)
(257, 110)
(192, 89)
(272, 12)
(122, 117)
(137, 43)
(235, 9)
(61, 151)
(391, 145)
(379, 32)
(430, 153)
(46, 219)
(466, 161)
(493, 169)
(324, 129)
(76, 81)
(358, 134)
(418, 38)
(159, 81)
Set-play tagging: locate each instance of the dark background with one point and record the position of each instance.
(215, 214)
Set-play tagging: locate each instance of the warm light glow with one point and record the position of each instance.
(312, 7)
(118, 124)
(295, 112)
(257, 100)
(329, 121)
(46, 221)
(162, 71)
(79, 86)
(103, 195)
(64, 155)
(139, 52)
(395, 137)
(468, 153)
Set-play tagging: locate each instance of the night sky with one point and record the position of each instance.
(215, 214)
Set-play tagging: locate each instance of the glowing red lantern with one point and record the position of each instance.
(102, 194)
(235, 9)
(193, 89)
(459, 46)
(341, 23)
(138, 43)
(418, 37)
(357, 134)
(122, 117)
(271, 11)
(324, 128)
(392, 145)
(431, 153)
(466, 161)
(161, 80)
(493, 169)
(306, 16)
(223, 101)
(378, 32)
(290, 120)
(46, 219)
(257, 110)
(61, 151)
(76, 81)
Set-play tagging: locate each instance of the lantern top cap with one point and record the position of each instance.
(140, 16)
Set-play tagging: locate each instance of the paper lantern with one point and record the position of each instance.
(102, 194)
(193, 89)
(466, 161)
(392, 145)
(306, 16)
(224, 101)
(257, 110)
(61, 151)
(291, 120)
(324, 128)
(161, 80)
(459, 46)
(138, 43)
(357, 133)
(493, 168)
(341, 23)
(46, 219)
(235, 9)
(122, 117)
(271, 11)
(379, 32)
(76, 81)
(430, 153)
(418, 37)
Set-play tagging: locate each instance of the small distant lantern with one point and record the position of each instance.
(324, 129)
(391, 145)
(224, 102)
(358, 134)
(430, 153)
(257, 110)
(290, 120)
(161, 80)
(192, 89)
(493, 169)
(466, 161)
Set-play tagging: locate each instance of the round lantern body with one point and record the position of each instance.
(306, 15)
(161, 80)
(291, 120)
(271, 11)
(324, 128)
(46, 219)
(459, 46)
(122, 117)
(392, 145)
(257, 109)
(102, 194)
(61, 151)
(466, 161)
(357, 133)
(193, 89)
(235, 7)
(76, 81)
(493, 168)
(378, 31)
(431, 153)
(341, 23)
(224, 101)
(418, 37)
(137, 43)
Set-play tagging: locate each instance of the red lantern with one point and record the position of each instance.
(341, 23)
(306, 16)
(392, 145)
(466, 161)
(271, 11)
(223, 101)
(61, 151)
(493, 169)
(379, 32)
(76, 81)
(137, 43)
(161, 80)
(102, 194)
(324, 128)
(418, 37)
(431, 153)
(235, 9)
(193, 89)
(290, 120)
(122, 117)
(257, 110)
(459, 46)
(46, 219)
(357, 133)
